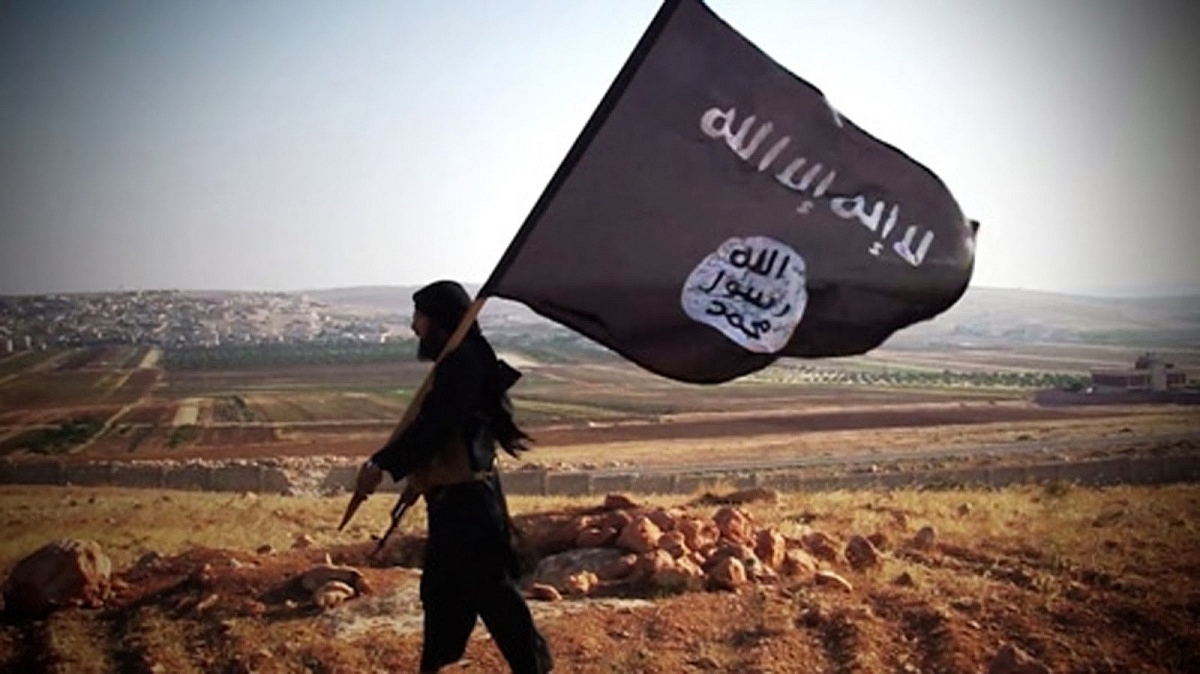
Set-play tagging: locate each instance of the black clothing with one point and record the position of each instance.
(470, 567)
(470, 572)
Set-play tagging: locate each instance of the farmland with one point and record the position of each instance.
(136, 402)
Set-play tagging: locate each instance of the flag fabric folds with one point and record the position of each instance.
(716, 213)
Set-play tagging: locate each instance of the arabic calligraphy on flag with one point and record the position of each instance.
(717, 214)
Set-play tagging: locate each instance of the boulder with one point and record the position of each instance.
(665, 519)
(770, 547)
(59, 574)
(1012, 660)
(619, 502)
(925, 537)
(619, 568)
(734, 524)
(557, 570)
(728, 574)
(698, 533)
(861, 554)
(728, 549)
(595, 537)
(678, 576)
(652, 563)
(640, 535)
(331, 594)
(797, 563)
(322, 574)
(547, 534)
(580, 584)
(821, 545)
(675, 543)
(615, 519)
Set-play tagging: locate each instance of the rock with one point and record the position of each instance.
(652, 564)
(1012, 660)
(905, 579)
(733, 524)
(831, 578)
(681, 575)
(641, 535)
(616, 519)
(59, 574)
(879, 540)
(675, 543)
(924, 538)
(698, 533)
(556, 570)
(543, 592)
(265, 549)
(323, 574)
(861, 554)
(663, 519)
(580, 584)
(303, 542)
(550, 533)
(595, 537)
(770, 547)
(964, 509)
(798, 562)
(619, 568)
(728, 574)
(726, 549)
(331, 594)
(821, 545)
(619, 502)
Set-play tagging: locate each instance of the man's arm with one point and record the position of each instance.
(445, 409)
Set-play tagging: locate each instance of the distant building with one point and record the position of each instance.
(1149, 373)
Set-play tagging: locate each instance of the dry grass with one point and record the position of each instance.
(1101, 580)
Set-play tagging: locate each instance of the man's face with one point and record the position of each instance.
(430, 338)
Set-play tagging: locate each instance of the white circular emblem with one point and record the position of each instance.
(752, 290)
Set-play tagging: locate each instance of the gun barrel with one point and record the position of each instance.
(352, 507)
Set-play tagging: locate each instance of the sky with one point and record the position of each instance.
(294, 144)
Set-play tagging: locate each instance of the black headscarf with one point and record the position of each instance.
(446, 303)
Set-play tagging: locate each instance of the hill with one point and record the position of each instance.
(984, 317)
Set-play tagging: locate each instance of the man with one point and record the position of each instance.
(448, 454)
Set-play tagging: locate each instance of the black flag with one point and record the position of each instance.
(717, 213)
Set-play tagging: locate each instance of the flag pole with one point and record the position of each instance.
(414, 405)
(580, 146)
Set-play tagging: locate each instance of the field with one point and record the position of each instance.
(124, 402)
(1083, 580)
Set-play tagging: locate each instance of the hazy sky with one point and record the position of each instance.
(289, 145)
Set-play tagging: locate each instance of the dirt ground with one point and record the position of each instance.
(1082, 580)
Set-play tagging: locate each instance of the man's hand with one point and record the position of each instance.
(369, 477)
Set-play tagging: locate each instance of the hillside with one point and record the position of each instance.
(992, 317)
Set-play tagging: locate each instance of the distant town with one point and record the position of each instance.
(177, 319)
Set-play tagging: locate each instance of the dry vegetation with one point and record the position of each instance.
(1086, 580)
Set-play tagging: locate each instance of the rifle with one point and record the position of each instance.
(407, 497)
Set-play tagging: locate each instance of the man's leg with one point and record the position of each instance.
(507, 618)
(449, 618)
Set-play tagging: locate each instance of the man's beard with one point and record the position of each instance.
(430, 347)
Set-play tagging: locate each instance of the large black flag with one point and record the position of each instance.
(717, 213)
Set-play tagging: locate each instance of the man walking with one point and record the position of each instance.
(448, 454)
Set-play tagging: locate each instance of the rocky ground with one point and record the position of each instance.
(1047, 579)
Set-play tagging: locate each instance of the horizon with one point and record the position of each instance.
(304, 145)
(1163, 293)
